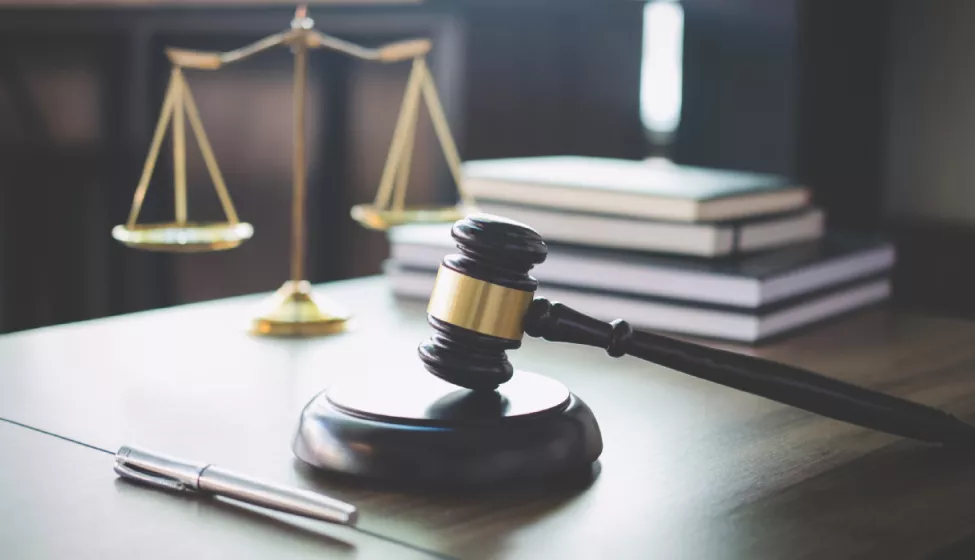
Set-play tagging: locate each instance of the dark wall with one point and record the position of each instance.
(740, 85)
(844, 63)
(57, 148)
(541, 82)
(930, 186)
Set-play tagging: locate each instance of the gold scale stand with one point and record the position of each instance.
(293, 310)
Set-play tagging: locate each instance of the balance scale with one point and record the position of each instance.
(293, 310)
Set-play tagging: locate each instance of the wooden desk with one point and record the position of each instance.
(690, 469)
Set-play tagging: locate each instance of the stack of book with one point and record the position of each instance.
(719, 254)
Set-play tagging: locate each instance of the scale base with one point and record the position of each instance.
(294, 310)
(416, 428)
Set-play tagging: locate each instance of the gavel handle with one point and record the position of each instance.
(776, 381)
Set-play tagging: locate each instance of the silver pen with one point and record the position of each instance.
(174, 474)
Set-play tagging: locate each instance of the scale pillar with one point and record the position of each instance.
(294, 310)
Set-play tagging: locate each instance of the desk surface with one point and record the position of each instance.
(690, 469)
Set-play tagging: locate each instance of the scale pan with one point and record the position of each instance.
(374, 218)
(184, 238)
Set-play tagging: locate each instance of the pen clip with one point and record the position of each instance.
(157, 470)
(153, 479)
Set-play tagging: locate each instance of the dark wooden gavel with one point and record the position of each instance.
(483, 302)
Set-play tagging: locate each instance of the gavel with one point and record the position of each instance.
(483, 303)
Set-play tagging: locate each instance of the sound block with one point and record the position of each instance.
(414, 427)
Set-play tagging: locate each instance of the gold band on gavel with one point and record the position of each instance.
(479, 306)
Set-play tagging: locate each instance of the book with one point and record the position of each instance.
(704, 239)
(632, 188)
(746, 281)
(680, 317)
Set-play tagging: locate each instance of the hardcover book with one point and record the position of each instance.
(747, 281)
(650, 313)
(703, 239)
(632, 188)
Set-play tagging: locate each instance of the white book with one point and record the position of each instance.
(749, 281)
(671, 316)
(632, 188)
(703, 239)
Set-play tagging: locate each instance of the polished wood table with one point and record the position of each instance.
(690, 469)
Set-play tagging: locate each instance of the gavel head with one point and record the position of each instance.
(479, 301)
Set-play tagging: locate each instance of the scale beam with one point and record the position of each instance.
(214, 60)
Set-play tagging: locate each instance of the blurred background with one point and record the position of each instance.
(869, 103)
